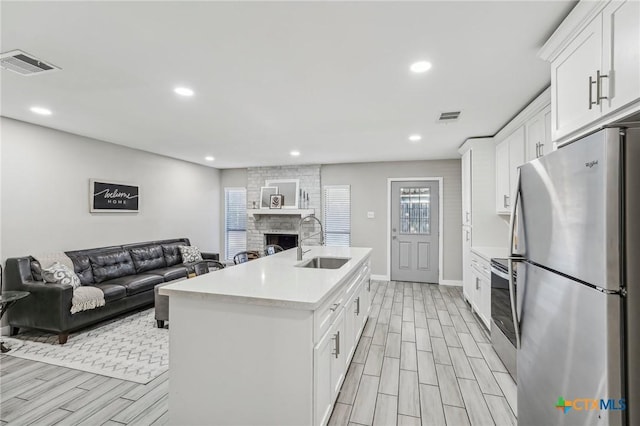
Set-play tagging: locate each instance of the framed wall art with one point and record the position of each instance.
(277, 200)
(265, 195)
(113, 197)
(289, 189)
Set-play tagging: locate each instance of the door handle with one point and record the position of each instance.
(336, 338)
(599, 78)
(514, 257)
(468, 236)
(591, 83)
(505, 201)
(357, 301)
(466, 216)
(477, 284)
(394, 237)
(334, 307)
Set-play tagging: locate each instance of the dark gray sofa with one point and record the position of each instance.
(126, 274)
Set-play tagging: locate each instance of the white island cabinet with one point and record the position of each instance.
(266, 342)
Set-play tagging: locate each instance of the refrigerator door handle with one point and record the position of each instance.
(514, 257)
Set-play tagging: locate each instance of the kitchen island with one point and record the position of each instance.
(267, 342)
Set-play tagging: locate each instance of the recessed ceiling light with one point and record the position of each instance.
(294, 153)
(420, 66)
(415, 138)
(41, 111)
(183, 91)
(209, 158)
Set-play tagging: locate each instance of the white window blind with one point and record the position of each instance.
(235, 221)
(337, 215)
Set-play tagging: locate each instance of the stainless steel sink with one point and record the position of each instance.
(324, 262)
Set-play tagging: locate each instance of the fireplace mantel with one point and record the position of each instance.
(280, 212)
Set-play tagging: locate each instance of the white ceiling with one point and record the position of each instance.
(329, 79)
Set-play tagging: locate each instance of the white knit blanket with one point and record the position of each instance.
(86, 297)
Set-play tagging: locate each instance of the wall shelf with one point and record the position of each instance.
(280, 212)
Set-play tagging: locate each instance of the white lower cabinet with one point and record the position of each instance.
(323, 400)
(480, 288)
(333, 352)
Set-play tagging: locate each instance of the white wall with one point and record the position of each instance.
(369, 193)
(45, 194)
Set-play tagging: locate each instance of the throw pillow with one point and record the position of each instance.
(60, 274)
(190, 254)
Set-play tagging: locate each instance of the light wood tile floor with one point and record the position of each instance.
(423, 359)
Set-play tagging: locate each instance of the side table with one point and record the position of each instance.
(7, 299)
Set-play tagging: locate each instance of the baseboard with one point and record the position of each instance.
(380, 277)
(456, 283)
(4, 331)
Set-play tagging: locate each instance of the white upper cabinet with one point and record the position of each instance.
(510, 154)
(595, 67)
(573, 82)
(538, 135)
(621, 54)
(502, 177)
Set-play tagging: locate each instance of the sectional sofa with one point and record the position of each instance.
(127, 275)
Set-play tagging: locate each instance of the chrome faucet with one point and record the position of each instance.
(300, 239)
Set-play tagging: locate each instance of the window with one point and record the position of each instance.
(337, 215)
(235, 221)
(415, 211)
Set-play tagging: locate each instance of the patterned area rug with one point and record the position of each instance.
(128, 348)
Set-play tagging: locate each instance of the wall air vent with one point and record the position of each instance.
(25, 64)
(448, 117)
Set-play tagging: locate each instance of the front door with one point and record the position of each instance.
(414, 231)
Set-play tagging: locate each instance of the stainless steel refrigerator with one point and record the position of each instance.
(575, 237)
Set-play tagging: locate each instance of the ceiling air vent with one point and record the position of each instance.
(25, 64)
(448, 117)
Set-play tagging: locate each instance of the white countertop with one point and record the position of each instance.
(274, 280)
(488, 252)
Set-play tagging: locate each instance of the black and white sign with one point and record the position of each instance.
(113, 197)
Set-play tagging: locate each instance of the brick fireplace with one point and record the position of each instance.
(259, 226)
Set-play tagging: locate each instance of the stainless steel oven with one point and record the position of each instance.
(503, 333)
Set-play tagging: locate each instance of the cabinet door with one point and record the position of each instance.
(350, 326)
(322, 359)
(620, 54)
(484, 302)
(516, 159)
(360, 309)
(502, 176)
(475, 296)
(535, 137)
(570, 72)
(467, 278)
(365, 303)
(548, 142)
(338, 354)
(466, 188)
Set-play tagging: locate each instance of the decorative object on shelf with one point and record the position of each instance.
(255, 205)
(289, 188)
(277, 200)
(265, 195)
(113, 197)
